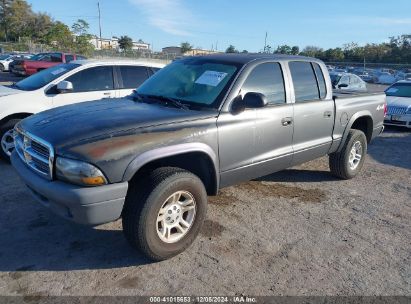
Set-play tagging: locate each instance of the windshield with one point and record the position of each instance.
(37, 56)
(3, 57)
(192, 81)
(335, 78)
(44, 77)
(399, 90)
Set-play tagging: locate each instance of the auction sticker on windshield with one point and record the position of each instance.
(211, 78)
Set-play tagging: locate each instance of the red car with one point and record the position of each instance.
(30, 67)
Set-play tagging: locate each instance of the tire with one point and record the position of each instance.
(5, 133)
(1, 67)
(141, 225)
(342, 164)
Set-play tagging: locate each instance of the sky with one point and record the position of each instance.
(243, 23)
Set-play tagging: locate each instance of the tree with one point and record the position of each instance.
(312, 51)
(5, 13)
(80, 27)
(59, 36)
(18, 18)
(244, 52)
(283, 49)
(231, 49)
(295, 50)
(125, 43)
(185, 47)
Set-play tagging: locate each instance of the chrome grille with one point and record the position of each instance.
(391, 110)
(36, 153)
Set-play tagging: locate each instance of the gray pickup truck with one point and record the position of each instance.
(200, 124)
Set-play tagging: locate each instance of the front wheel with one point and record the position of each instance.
(347, 163)
(6, 139)
(163, 215)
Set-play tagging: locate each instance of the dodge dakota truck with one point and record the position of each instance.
(199, 124)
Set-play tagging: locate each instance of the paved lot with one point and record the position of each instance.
(296, 232)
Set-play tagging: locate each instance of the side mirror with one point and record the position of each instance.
(64, 86)
(343, 85)
(254, 100)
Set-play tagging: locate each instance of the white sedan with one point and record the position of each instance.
(5, 60)
(399, 104)
(64, 84)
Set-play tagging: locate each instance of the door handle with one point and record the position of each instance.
(286, 121)
(107, 94)
(328, 114)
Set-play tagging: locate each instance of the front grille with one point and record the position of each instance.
(36, 153)
(391, 110)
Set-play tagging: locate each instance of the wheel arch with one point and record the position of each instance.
(361, 121)
(21, 115)
(198, 158)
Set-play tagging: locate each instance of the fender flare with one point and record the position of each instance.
(364, 113)
(138, 162)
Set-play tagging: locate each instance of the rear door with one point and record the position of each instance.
(129, 78)
(313, 112)
(93, 83)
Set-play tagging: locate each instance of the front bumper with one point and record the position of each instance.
(84, 205)
(400, 120)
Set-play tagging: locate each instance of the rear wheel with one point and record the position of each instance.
(163, 215)
(6, 139)
(347, 163)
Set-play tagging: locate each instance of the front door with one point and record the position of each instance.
(257, 142)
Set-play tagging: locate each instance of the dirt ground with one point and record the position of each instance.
(296, 232)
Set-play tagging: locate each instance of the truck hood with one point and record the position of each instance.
(97, 120)
(398, 101)
(4, 91)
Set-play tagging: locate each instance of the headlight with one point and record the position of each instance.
(408, 110)
(79, 173)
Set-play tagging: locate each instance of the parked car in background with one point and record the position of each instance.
(30, 67)
(348, 81)
(386, 78)
(403, 76)
(399, 104)
(65, 84)
(19, 61)
(5, 60)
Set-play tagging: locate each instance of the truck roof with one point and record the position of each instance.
(246, 58)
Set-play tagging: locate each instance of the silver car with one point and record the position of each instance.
(348, 81)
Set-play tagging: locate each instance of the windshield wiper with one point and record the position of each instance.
(169, 100)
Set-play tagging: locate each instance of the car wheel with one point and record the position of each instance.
(347, 163)
(6, 139)
(1, 67)
(163, 215)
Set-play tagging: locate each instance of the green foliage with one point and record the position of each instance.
(80, 27)
(231, 49)
(125, 43)
(185, 47)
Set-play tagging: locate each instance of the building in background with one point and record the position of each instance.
(112, 44)
(176, 50)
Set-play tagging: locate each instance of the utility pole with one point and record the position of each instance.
(265, 42)
(99, 24)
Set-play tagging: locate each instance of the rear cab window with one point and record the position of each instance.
(309, 82)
